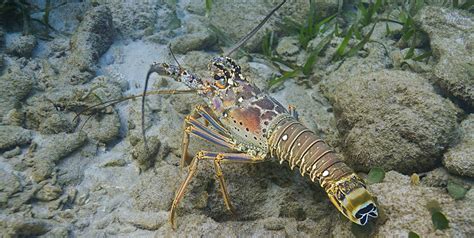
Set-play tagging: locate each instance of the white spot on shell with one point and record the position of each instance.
(225, 114)
(285, 137)
(241, 99)
(325, 173)
(299, 144)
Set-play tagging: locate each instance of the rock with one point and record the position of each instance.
(48, 193)
(136, 20)
(52, 149)
(103, 128)
(115, 163)
(460, 159)
(21, 46)
(197, 37)
(46, 116)
(405, 209)
(15, 85)
(392, 119)
(56, 147)
(58, 232)
(12, 153)
(236, 25)
(145, 220)
(92, 38)
(451, 34)
(17, 226)
(288, 48)
(374, 61)
(144, 157)
(14, 117)
(9, 183)
(66, 17)
(436, 178)
(11, 136)
(193, 41)
(56, 123)
(54, 112)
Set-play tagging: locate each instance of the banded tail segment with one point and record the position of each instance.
(291, 141)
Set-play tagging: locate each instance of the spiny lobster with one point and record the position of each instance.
(248, 121)
(243, 119)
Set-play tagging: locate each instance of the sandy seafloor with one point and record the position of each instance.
(61, 178)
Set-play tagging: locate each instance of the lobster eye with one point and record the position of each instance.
(221, 81)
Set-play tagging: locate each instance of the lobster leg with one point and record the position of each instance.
(209, 115)
(292, 111)
(218, 158)
(198, 112)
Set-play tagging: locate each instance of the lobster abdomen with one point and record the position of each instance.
(293, 142)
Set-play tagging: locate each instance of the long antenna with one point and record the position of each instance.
(252, 33)
(152, 69)
(174, 57)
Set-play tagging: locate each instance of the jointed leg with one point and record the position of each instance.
(293, 112)
(202, 130)
(185, 141)
(218, 158)
(224, 191)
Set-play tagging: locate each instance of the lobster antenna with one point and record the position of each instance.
(152, 69)
(174, 57)
(252, 33)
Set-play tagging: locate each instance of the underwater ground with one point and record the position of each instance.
(389, 84)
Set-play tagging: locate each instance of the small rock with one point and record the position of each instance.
(145, 220)
(58, 232)
(14, 117)
(15, 85)
(136, 20)
(27, 227)
(115, 163)
(460, 159)
(42, 114)
(56, 123)
(65, 18)
(11, 136)
(42, 169)
(56, 147)
(12, 153)
(103, 128)
(451, 33)
(144, 157)
(48, 193)
(436, 178)
(22, 46)
(288, 48)
(193, 41)
(197, 37)
(53, 149)
(9, 183)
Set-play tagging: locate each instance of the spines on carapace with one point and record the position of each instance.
(293, 142)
